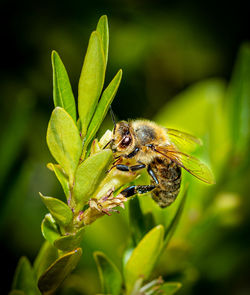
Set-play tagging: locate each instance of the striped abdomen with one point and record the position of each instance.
(168, 173)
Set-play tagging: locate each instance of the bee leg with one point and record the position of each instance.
(137, 167)
(122, 167)
(152, 174)
(130, 168)
(136, 189)
(133, 153)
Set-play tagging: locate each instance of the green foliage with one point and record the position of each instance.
(64, 141)
(175, 221)
(103, 29)
(70, 242)
(24, 279)
(137, 218)
(63, 179)
(102, 108)
(170, 288)
(90, 191)
(80, 177)
(143, 257)
(46, 256)
(91, 80)
(219, 114)
(58, 271)
(140, 223)
(49, 228)
(239, 103)
(58, 209)
(110, 277)
(62, 92)
(89, 174)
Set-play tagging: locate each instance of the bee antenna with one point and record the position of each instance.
(112, 116)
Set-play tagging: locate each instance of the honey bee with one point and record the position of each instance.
(157, 149)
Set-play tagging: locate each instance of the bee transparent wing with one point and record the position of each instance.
(183, 140)
(193, 165)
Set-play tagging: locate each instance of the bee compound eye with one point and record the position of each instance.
(126, 141)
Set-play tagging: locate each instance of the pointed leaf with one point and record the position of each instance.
(239, 101)
(149, 221)
(49, 228)
(58, 271)
(103, 29)
(140, 223)
(64, 141)
(174, 222)
(58, 209)
(102, 108)
(143, 258)
(91, 80)
(61, 177)
(110, 277)
(69, 242)
(24, 279)
(46, 256)
(88, 176)
(170, 288)
(136, 218)
(62, 92)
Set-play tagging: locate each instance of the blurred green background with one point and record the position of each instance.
(177, 58)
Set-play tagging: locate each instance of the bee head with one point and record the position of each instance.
(122, 141)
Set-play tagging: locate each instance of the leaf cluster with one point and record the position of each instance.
(80, 173)
(81, 168)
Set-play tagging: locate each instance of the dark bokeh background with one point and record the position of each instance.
(163, 47)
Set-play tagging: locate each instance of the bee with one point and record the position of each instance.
(157, 149)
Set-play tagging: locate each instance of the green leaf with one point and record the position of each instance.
(49, 228)
(88, 176)
(136, 218)
(102, 107)
(58, 271)
(58, 209)
(64, 141)
(103, 29)
(239, 102)
(62, 92)
(69, 242)
(143, 258)
(24, 279)
(61, 177)
(46, 256)
(91, 80)
(110, 277)
(175, 221)
(149, 221)
(140, 223)
(170, 288)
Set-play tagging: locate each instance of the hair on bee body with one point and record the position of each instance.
(154, 147)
